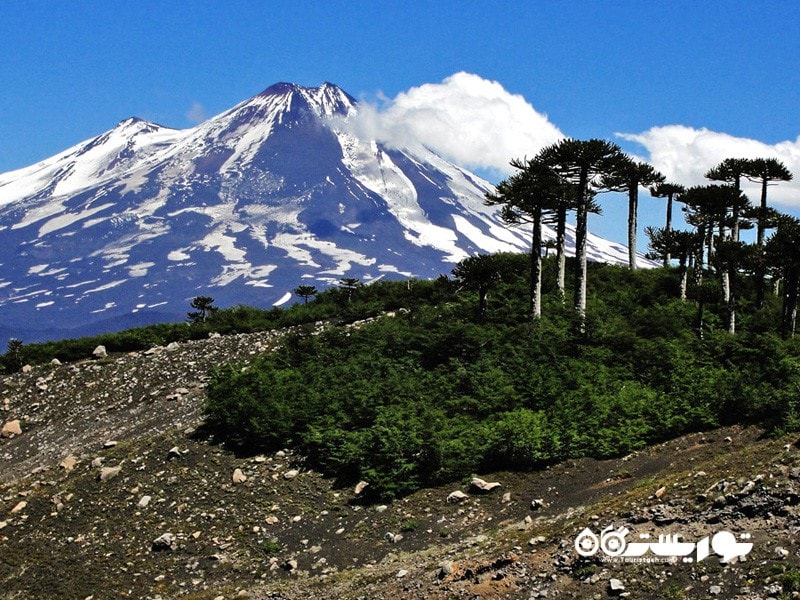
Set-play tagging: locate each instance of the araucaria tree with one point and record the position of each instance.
(672, 192)
(530, 196)
(731, 170)
(305, 292)
(676, 243)
(764, 170)
(478, 273)
(582, 164)
(628, 176)
(203, 306)
(783, 255)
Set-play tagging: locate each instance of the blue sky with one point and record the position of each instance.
(726, 72)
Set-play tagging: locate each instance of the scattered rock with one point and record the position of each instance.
(291, 474)
(238, 476)
(144, 501)
(165, 541)
(27, 369)
(456, 497)
(615, 587)
(445, 569)
(69, 462)
(714, 590)
(537, 503)
(110, 444)
(393, 538)
(781, 552)
(539, 539)
(661, 491)
(11, 428)
(290, 565)
(507, 497)
(107, 473)
(480, 485)
(55, 362)
(360, 487)
(401, 573)
(19, 507)
(100, 352)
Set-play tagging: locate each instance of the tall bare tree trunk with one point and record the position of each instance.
(633, 209)
(581, 227)
(536, 264)
(561, 256)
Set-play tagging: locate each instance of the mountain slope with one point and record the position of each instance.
(125, 228)
(71, 529)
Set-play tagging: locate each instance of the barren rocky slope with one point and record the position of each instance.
(112, 491)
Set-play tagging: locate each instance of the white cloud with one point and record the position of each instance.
(684, 155)
(196, 113)
(470, 120)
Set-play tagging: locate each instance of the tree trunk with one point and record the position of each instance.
(536, 264)
(732, 302)
(668, 227)
(684, 279)
(561, 256)
(483, 292)
(700, 311)
(699, 258)
(790, 293)
(762, 212)
(737, 187)
(725, 280)
(581, 227)
(633, 209)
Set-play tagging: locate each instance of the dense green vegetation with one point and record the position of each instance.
(464, 381)
(332, 306)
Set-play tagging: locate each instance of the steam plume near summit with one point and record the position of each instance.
(470, 120)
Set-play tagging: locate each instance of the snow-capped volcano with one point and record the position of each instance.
(127, 227)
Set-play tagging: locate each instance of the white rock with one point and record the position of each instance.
(107, 473)
(291, 474)
(144, 501)
(484, 486)
(68, 463)
(615, 586)
(238, 476)
(456, 497)
(100, 352)
(360, 487)
(11, 428)
(164, 542)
